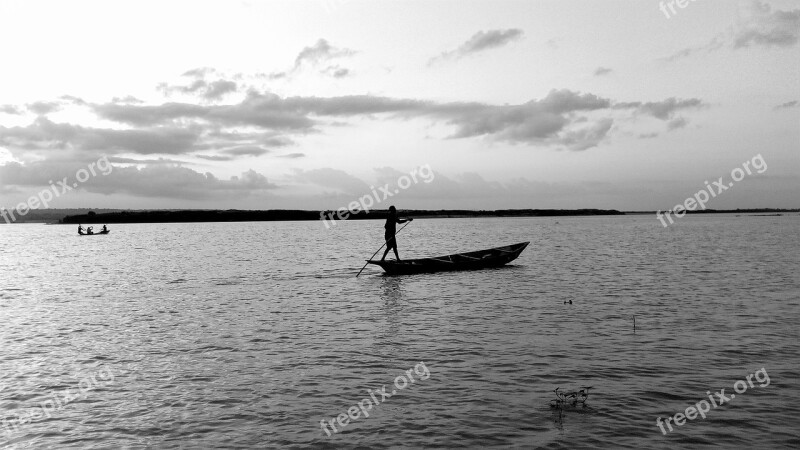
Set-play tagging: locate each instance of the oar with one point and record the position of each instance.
(387, 241)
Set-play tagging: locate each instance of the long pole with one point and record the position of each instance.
(387, 241)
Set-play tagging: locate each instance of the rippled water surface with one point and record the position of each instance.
(247, 335)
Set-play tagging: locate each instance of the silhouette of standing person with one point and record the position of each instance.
(391, 230)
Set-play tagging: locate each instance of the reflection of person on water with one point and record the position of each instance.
(391, 230)
(80, 229)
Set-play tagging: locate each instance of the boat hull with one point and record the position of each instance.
(481, 259)
(95, 234)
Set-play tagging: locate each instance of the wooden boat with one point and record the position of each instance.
(94, 234)
(481, 259)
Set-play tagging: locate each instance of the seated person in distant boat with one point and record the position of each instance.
(80, 229)
(391, 230)
(89, 230)
(104, 229)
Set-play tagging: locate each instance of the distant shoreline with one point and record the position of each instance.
(183, 216)
(85, 215)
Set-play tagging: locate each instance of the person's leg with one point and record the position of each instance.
(395, 254)
(385, 253)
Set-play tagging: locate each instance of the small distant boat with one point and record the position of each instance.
(481, 259)
(94, 234)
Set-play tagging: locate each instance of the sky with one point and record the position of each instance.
(628, 105)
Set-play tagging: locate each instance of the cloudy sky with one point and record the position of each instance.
(309, 104)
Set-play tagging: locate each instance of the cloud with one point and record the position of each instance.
(768, 28)
(763, 27)
(200, 86)
(121, 160)
(676, 123)
(178, 182)
(336, 71)
(549, 121)
(787, 105)
(665, 109)
(46, 135)
(587, 137)
(216, 157)
(10, 109)
(217, 89)
(563, 119)
(481, 41)
(127, 99)
(199, 72)
(321, 52)
(246, 150)
(258, 110)
(600, 71)
(43, 108)
(338, 180)
(292, 155)
(153, 180)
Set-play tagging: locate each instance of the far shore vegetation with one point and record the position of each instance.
(106, 216)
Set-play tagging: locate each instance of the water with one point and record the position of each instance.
(247, 335)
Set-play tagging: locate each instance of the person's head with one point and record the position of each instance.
(392, 209)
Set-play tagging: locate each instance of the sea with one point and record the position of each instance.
(260, 335)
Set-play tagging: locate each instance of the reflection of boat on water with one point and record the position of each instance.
(481, 259)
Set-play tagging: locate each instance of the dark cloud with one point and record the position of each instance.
(481, 41)
(768, 28)
(600, 71)
(762, 28)
(564, 118)
(546, 121)
(44, 134)
(787, 105)
(263, 111)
